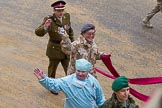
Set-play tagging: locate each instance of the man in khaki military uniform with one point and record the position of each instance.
(51, 25)
(155, 10)
(85, 47)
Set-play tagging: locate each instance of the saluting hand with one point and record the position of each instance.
(39, 73)
(47, 23)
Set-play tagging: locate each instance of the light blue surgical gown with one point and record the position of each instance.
(79, 93)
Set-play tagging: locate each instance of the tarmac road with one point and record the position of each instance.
(136, 51)
(126, 16)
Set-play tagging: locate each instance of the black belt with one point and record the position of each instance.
(55, 41)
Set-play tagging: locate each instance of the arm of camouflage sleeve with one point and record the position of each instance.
(66, 44)
(71, 68)
(99, 55)
(107, 104)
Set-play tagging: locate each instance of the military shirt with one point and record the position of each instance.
(54, 47)
(80, 48)
(114, 103)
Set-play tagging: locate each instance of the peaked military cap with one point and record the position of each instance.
(60, 4)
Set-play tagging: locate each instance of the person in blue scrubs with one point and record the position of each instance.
(82, 90)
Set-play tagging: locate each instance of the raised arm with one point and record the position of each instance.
(44, 27)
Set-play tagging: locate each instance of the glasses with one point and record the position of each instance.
(90, 33)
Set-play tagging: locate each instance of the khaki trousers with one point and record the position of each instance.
(53, 64)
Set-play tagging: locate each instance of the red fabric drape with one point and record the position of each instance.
(146, 81)
(107, 61)
(142, 81)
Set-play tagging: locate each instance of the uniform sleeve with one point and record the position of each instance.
(107, 104)
(40, 31)
(70, 31)
(71, 34)
(99, 54)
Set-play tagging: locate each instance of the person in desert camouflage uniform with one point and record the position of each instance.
(85, 47)
(155, 10)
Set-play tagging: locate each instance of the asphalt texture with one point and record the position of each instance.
(136, 51)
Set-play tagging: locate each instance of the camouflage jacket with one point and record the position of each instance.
(81, 49)
(113, 103)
